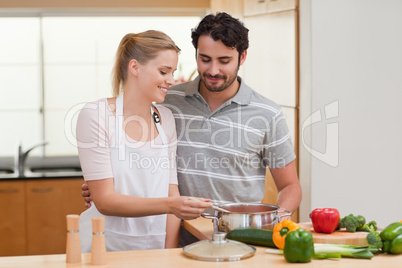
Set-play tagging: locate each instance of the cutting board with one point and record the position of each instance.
(341, 237)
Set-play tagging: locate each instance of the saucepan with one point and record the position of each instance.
(236, 215)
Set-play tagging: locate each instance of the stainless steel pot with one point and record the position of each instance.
(261, 216)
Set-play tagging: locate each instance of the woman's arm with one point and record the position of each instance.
(94, 140)
(172, 223)
(108, 202)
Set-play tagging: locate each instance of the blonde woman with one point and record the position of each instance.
(127, 150)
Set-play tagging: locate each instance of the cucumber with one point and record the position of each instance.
(253, 236)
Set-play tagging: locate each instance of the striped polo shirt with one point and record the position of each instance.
(223, 155)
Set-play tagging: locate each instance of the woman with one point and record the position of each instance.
(127, 150)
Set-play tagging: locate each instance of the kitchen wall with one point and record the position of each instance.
(73, 67)
(350, 93)
(27, 100)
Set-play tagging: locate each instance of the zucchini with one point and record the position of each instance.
(253, 236)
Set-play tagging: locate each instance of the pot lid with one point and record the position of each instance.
(219, 249)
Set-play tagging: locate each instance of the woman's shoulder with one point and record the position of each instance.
(97, 109)
(167, 119)
(164, 111)
(107, 104)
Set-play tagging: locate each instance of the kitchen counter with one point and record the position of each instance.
(175, 258)
(42, 175)
(202, 228)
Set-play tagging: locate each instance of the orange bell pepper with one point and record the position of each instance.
(281, 230)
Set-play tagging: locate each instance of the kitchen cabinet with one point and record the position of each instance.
(257, 7)
(48, 203)
(271, 65)
(12, 218)
(233, 7)
(33, 214)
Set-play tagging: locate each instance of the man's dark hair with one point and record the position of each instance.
(224, 27)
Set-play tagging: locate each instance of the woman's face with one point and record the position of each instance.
(156, 76)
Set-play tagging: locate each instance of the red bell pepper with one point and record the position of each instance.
(325, 220)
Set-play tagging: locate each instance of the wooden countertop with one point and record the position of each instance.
(202, 228)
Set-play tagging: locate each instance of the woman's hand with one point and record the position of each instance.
(187, 209)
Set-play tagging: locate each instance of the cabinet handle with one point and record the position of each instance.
(9, 191)
(42, 190)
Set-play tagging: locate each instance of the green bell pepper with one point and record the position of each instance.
(392, 238)
(299, 246)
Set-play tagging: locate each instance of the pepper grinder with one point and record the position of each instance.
(98, 251)
(73, 246)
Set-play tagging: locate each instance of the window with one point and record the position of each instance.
(51, 66)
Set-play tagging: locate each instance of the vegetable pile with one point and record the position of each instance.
(327, 220)
(297, 244)
(354, 223)
(388, 241)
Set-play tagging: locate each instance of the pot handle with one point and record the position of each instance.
(215, 220)
(209, 216)
(286, 213)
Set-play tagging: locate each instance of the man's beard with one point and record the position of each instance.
(221, 88)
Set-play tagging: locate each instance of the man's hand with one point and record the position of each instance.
(86, 195)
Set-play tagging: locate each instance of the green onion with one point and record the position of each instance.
(349, 251)
(330, 251)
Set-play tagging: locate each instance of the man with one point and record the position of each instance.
(228, 134)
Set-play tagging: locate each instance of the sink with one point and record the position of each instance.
(55, 169)
(38, 167)
(6, 171)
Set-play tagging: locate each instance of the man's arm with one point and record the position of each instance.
(288, 185)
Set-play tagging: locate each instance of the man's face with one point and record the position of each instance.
(217, 64)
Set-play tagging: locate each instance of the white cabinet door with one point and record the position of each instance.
(270, 67)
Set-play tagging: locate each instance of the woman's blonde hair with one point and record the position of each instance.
(142, 47)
